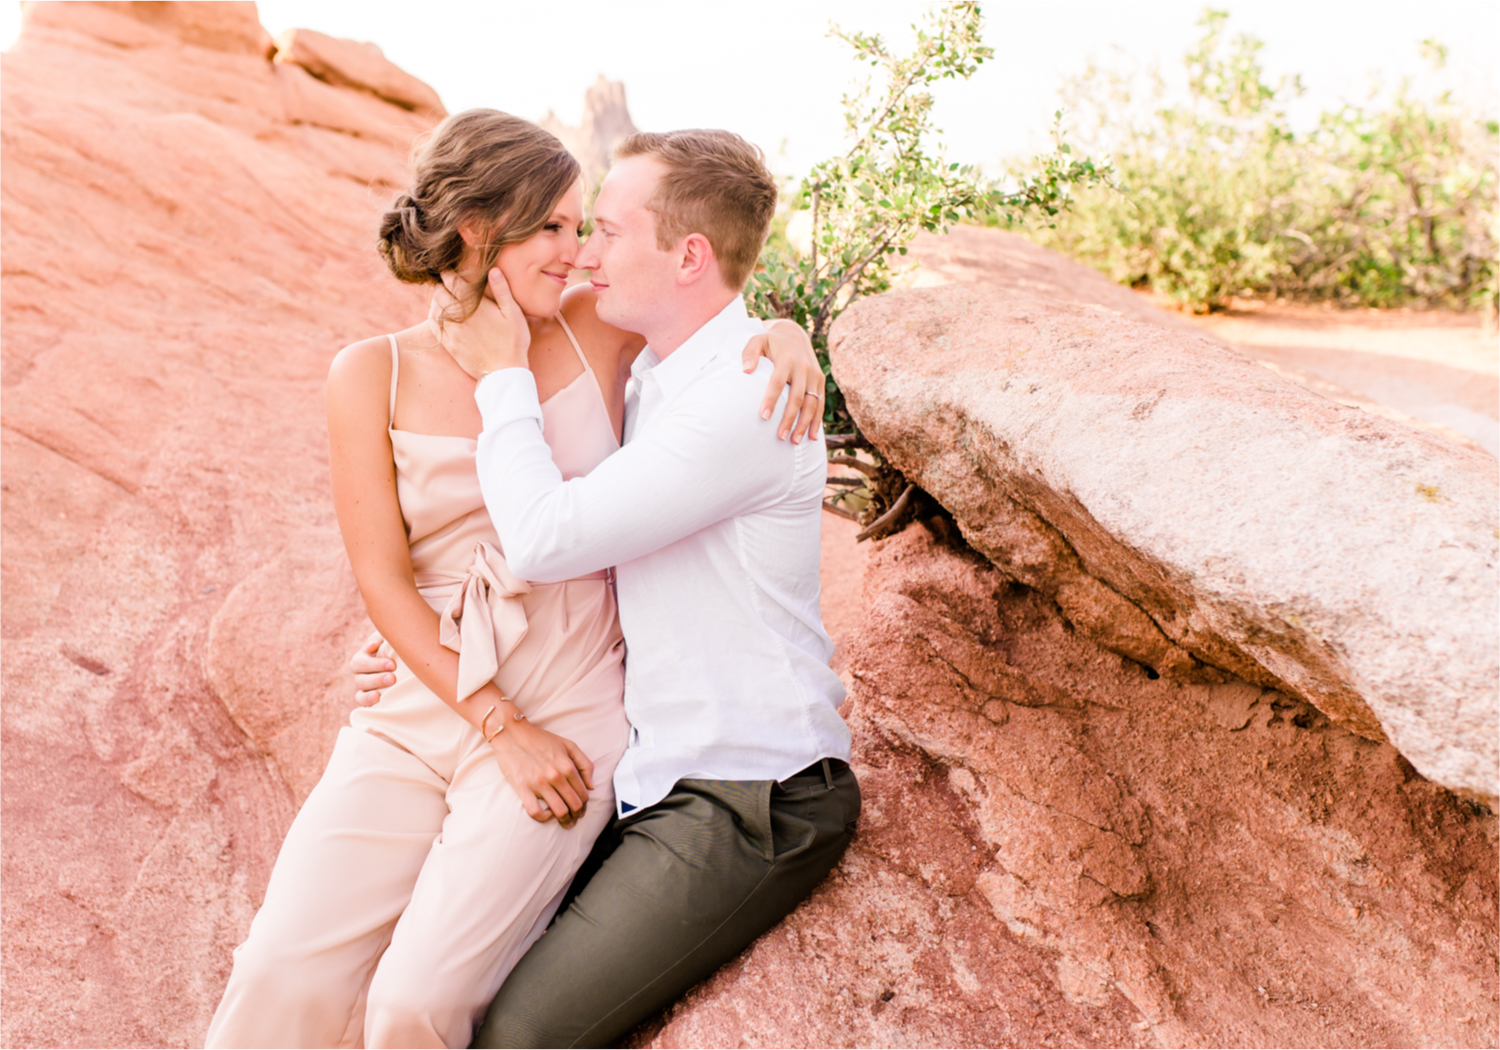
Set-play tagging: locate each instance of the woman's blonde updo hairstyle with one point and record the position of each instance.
(497, 173)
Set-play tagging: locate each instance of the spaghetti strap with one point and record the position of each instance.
(555, 435)
(395, 374)
(572, 339)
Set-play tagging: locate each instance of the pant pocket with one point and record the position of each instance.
(792, 835)
(798, 812)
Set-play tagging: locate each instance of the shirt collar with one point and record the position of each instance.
(700, 348)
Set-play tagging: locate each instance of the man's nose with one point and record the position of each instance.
(588, 255)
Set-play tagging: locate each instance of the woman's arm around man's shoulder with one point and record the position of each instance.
(611, 351)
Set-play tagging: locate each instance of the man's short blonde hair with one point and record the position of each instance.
(715, 184)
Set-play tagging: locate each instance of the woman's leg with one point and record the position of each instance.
(489, 886)
(344, 874)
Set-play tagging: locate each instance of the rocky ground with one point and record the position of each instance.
(1061, 844)
(1432, 365)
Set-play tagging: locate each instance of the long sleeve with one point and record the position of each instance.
(707, 457)
(713, 527)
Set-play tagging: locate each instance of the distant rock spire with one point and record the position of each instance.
(606, 122)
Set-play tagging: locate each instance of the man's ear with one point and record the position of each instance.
(695, 259)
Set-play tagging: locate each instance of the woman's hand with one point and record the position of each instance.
(791, 351)
(372, 672)
(495, 336)
(550, 774)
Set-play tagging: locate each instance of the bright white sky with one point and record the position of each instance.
(768, 70)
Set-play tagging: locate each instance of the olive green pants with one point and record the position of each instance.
(669, 895)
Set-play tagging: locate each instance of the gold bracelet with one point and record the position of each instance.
(485, 720)
(507, 700)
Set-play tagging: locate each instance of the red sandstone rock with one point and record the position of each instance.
(350, 63)
(1005, 260)
(230, 25)
(1054, 849)
(188, 234)
(1175, 498)
(1001, 259)
(1058, 850)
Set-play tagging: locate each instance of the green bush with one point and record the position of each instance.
(867, 205)
(1216, 196)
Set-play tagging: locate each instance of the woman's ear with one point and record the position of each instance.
(469, 234)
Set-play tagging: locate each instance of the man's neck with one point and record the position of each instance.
(688, 314)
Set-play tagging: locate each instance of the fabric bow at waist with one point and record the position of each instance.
(484, 619)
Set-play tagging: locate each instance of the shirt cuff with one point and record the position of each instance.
(506, 396)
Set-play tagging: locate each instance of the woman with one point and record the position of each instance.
(453, 813)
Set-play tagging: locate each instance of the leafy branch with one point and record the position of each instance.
(867, 205)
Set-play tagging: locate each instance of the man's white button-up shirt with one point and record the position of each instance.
(712, 525)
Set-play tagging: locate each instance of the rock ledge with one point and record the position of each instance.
(1189, 509)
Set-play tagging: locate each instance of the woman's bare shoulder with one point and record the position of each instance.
(362, 361)
(359, 378)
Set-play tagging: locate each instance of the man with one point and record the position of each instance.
(734, 797)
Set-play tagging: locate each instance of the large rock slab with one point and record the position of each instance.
(1192, 510)
(188, 235)
(1005, 260)
(231, 26)
(1058, 850)
(356, 64)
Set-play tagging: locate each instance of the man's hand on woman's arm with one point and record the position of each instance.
(372, 672)
(791, 351)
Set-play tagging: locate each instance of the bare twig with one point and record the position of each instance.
(846, 441)
(824, 311)
(867, 469)
(889, 516)
(840, 511)
(850, 274)
(816, 190)
(846, 482)
(895, 100)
